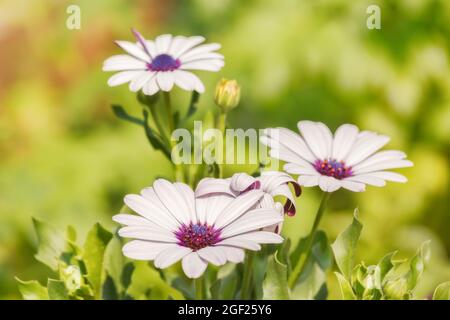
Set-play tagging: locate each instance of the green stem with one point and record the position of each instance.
(246, 290)
(301, 263)
(221, 125)
(199, 289)
(179, 169)
(158, 123)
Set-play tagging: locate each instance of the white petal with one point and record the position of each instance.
(308, 180)
(163, 43)
(189, 200)
(134, 50)
(238, 207)
(171, 255)
(182, 80)
(151, 209)
(211, 185)
(353, 186)
(215, 206)
(260, 237)
(193, 265)
(144, 250)
(132, 220)
(344, 138)
(367, 179)
(123, 62)
(379, 157)
(177, 43)
(165, 80)
(122, 77)
(293, 168)
(365, 145)
(292, 141)
(318, 137)
(202, 56)
(252, 220)
(329, 184)
(214, 255)
(143, 44)
(241, 181)
(205, 48)
(390, 164)
(388, 176)
(151, 87)
(172, 199)
(151, 47)
(240, 243)
(147, 233)
(188, 44)
(206, 65)
(138, 82)
(235, 255)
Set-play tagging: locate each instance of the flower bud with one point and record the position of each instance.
(228, 94)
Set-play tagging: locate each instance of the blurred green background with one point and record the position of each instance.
(66, 160)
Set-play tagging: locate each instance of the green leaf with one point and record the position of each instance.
(396, 289)
(417, 264)
(154, 138)
(442, 291)
(311, 285)
(114, 261)
(275, 286)
(386, 264)
(120, 113)
(193, 104)
(93, 254)
(346, 288)
(57, 290)
(146, 283)
(51, 244)
(345, 246)
(32, 290)
(322, 251)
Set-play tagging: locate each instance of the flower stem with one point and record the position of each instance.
(301, 263)
(199, 289)
(246, 290)
(221, 125)
(158, 124)
(179, 169)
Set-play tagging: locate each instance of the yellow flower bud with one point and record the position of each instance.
(228, 94)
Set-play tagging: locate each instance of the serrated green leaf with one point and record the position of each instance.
(442, 291)
(346, 288)
(51, 244)
(93, 256)
(275, 286)
(32, 290)
(345, 246)
(57, 290)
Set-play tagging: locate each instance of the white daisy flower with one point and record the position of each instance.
(159, 64)
(271, 183)
(349, 159)
(173, 224)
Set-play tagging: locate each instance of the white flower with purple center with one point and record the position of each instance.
(271, 183)
(349, 159)
(174, 224)
(160, 64)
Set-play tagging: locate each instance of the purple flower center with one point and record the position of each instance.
(197, 236)
(164, 62)
(333, 168)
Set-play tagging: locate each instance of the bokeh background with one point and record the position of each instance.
(66, 159)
